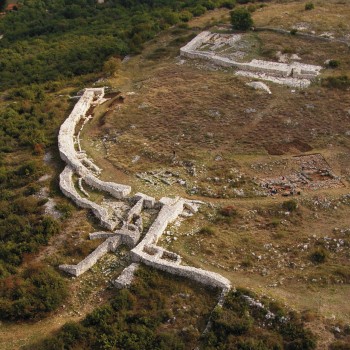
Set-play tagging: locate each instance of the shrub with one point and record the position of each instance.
(65, 209)
(228, 211)
(229, 4)
(252, 8)
(293, 31)
(318, 256)
(28, 169)
(38, 291)
(241, 19)
(207, 230)
(339, 82)
(247, 263)
(333, 64)
(309, 6)
(339, 345)
(209, 5)
(185, 16)
(198, 10)
(228, 323)
(124, 300)
(290, 205)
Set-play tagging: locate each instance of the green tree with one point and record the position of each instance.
(112, 66)
(241, 19)
(2, 5)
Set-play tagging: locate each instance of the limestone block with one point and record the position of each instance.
(101, 234)
(128, 237)
(148, 202)
(126, 278)
(192, 207)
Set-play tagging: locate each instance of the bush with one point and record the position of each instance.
(318, 256)
(290, 205)
(185, 16)
(339, 82)
(333, 64)
(309, 6)
(293, 32)
(241, 19)
(207, 230)
(229, 4)
(38, 291)
(198, 10)
(229, 211)
(65, 209)
(339, 345)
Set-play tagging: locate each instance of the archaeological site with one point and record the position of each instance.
(175, 175)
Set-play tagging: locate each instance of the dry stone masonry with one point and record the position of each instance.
(127, 231)
(293, 74)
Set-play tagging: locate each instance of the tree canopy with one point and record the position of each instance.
(241, 19)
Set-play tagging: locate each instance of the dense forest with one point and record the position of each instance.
(47, 40)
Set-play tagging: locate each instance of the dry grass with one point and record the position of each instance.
(328, 16)
(268, 251)
(201, 112)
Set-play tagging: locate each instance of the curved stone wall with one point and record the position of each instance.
(145, 251)
(67, 150)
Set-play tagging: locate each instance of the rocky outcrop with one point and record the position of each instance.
(258, 85)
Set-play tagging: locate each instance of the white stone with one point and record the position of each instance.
(258, 85)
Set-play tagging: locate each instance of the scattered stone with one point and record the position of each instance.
(135, 159)
(258, 85)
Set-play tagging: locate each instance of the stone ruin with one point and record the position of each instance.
(309, 172)
(127, 228)
(208, 46)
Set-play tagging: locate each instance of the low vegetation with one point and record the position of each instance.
(158, 312)
(162, 312)
(244, 323)
(34, 293)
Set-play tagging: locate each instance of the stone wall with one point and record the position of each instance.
(208, 278)
(170, 208)
(68, 189)
(147, 253)
(126, 278)
(67, 148)
(270, 69)
(108, 245)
